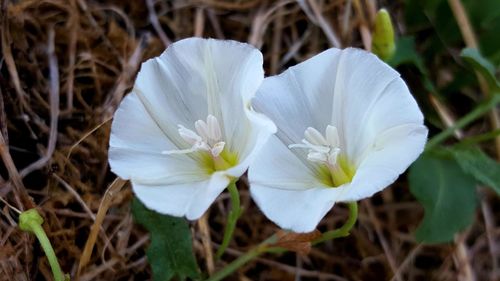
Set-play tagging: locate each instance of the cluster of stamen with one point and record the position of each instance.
(325, 150)
(208, 137)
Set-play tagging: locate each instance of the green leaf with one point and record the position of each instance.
(484, 66)
(406, 53)
(479, 165)
(436, 20)
(170, 253)
(447, 194)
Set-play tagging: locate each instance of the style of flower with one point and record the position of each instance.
(187, 129)
(347, 128)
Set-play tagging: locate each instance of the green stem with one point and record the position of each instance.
(480, 110)
(31, 221)
(344, 230)
(49, 252)
(232, 218)
(230, 268)
(266, 246)
(243, 259)
(480, 138)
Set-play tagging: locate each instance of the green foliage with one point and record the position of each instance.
(483, 66)
(485, 17)
(477, 164)
(436, 16)
(170, 253)
(406, 53)
(447, 194)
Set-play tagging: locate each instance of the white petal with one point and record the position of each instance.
(301, 97)
(137, 143)
(251, 137)
(361, 80)
(229, 74)
(196, 77)
(295, 210)
(276, 166)
(184, 199)
(394, 108)
(389, 156)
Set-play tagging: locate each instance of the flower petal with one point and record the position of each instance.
(392, 152)
(295, 210)
(393, 108)
(196, 77)
(251, 137)
(301, 97)
(278, 167)
(360, 81)
(137, 143)
(184, 199)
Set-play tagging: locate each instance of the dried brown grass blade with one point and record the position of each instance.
(113, 188)
(87, 135)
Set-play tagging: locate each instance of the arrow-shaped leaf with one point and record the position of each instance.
(170, 253)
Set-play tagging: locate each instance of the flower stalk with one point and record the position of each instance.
(345, 229)
(31, 221)
(479, 111)
(267, 245)
(233, 216)
(243, 259)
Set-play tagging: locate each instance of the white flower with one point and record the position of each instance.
(177, 162)
(347, 128)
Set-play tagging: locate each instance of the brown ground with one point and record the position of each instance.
(65, 66)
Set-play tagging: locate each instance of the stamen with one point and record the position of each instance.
(217, 148)
(206, 138)
(326, 150)
(317, 157)
(332, 136)
(332, 156)
(201, 128)
(214, 132)
(313, 136)
(188, 135)
(180, 151)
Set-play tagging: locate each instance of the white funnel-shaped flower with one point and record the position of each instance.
(186, 130)
(347, 128)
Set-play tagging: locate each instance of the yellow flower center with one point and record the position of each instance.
(333, 168)
(208, 142)
(225, 160)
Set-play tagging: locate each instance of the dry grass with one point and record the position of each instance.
(66, 64)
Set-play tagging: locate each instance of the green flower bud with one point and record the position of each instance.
(28, 219)
(383, 44)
